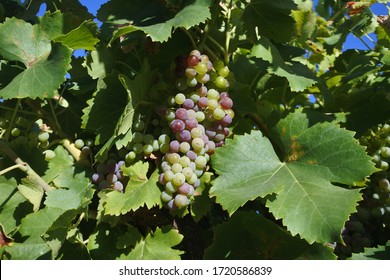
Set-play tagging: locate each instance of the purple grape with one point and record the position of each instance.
(227, 120)
(177, 125)
(191, 123)
(185, 136)
(223, 95)
(191, 155)
(118, 186)
(181, 113)
(97, 178)
(211, 133)
(202, 102)
(188, 104)
(226, 103)
(186, 189)
(219, 137)
(174, 146)
(202, 91)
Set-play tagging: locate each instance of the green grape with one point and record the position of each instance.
(197, 144)
(178, 179)
(187, 172)
(15, 132)
(180, 98)
(170, 188)
(196, 132)
(79, 143)
(218, 114)
(200, 162)
(181, 201)
(213, 94)
(164, 138)
(139, 125)
(221, 82)
(165, 196)
(385, 152)
(184, 161)
(130, 156)
(176, 167)
(201, 68)
(138, 137)
(43, 136)
(164, 148)
(148, 139)
(184, 147)
(224, 72)
(173, 158)
(218, 64)
(169, 175)
(200, 116)
(212, 104)
(192, 179)
(148, 149)
(138, 148)
(49, 154)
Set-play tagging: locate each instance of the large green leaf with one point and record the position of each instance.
(30, 249)
(301, 189)
(248, 235)
(46, 64)
(156, 245)
(13, 206)
(272, 18)
(298, 75)
(139, 191)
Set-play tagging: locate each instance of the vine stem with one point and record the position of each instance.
(16, 166)
(12, 122)
(31, 174)
(189, 35)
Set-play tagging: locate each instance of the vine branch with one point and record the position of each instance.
(19, 163)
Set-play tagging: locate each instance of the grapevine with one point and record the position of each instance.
(176, 128)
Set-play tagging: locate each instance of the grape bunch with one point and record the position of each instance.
(199, 117)
(370, 225)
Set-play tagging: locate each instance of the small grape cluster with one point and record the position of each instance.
(370, 225)
(110, 175)
(199, 118)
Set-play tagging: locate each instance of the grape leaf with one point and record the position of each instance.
(46, 64)
(13, 206)
(70, 30)
(30, 249)
(140, 191)
(32, 193)
(194, 13)
(298, 75)
(272, 18)
(156, 245)
(301, 186)
(259, 239)
(379, 253)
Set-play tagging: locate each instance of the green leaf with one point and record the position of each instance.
(46, 64)
(70, 30)
(83, 37)
(105, 109)
(58, 164)
(194, 13)
(271, 17)
(32, 193)
(298, 75)
(301, 187)
(306, 23)
(157, 245)
(13, 206)
(379, 253)
(31, 249)
(248, 236)
(139, 191)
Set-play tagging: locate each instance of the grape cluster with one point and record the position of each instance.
(199, 117)
(370, 225)
(110, 175)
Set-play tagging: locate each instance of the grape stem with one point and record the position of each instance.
(12, 122)
(16, 166)
(31, 174)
